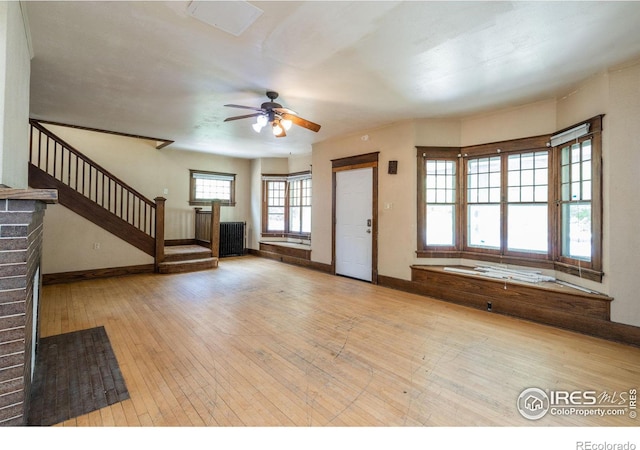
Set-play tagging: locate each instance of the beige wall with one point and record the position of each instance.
(615, 93)
(151, 172)
(396, 193)
(622, 211)
(258, 167)
(14, 96)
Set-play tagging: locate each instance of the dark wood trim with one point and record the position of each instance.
(368, 160)
(91, 274)
(207, 202)
(273, 247)
(514, 145)
(584, 324)
(41, 195)
(321, 267)
(159, 234)
(355, 160)
(215, 229)
(162, 142)
(174, 242)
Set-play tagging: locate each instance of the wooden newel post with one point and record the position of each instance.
(159, 230)
(215, 229)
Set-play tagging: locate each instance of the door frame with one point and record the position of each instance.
(367, 160)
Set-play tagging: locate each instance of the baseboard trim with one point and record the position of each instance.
(92, 274)
(321, 267)
(604, 329)
(170, 242)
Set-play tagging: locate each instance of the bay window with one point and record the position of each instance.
(286, 205)
(522, 201)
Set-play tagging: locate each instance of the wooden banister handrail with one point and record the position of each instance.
(88, 160)
(95, 193)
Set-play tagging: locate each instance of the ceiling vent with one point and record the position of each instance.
(232, 17)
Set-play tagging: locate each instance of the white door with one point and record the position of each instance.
(354, 206)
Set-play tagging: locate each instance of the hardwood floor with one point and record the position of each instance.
(261, 343)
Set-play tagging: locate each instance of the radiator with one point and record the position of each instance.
(231, 238)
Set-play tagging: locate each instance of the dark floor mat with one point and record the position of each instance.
(76, 373)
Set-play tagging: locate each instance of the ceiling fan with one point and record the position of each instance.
(274, 114)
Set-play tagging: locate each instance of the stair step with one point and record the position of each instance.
(191, 265)
(186, 252)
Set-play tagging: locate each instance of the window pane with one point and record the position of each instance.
(513, 194)
(494, 195)
(526, 194)
(211, 189)
(541, 176)
(576, 230)
(527, 161)
(527, 228)
(275, 219)
(586, 150)
(306, 219)
(586, 190)
(294, 220)
(541, 194)
(484, 187)
(586, 170)
(514, 178)
(440, 225)
(484, 226)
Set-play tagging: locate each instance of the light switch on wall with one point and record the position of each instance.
(165, 191)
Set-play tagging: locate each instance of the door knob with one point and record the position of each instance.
(368, 230)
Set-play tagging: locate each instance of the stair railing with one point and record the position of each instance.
(51, 154)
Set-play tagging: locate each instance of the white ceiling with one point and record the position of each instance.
(152, 69)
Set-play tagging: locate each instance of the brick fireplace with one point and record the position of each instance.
(21, 220)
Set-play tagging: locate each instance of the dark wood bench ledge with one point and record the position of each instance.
(545, 302)
(286, 249)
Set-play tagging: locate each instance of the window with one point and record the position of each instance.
(276, 199)
(206, 187)
(528, 202)
(521, 202)
(300, 206)
(287, 205)
(441, 203)
(483, 202)
(575, 200)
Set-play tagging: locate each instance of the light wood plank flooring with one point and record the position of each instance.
(261, 343)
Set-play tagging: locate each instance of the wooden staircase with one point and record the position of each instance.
(100, 197)
(187, 258)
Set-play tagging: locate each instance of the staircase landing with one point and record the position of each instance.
(187, 258)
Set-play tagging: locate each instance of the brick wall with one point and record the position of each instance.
(20, 254)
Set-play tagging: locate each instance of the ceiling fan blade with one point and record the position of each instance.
(243, 117)
(301, 122)
(245, 107)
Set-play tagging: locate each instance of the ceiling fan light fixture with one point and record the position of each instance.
(286, 123)
(257, 127)
(277, 128)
